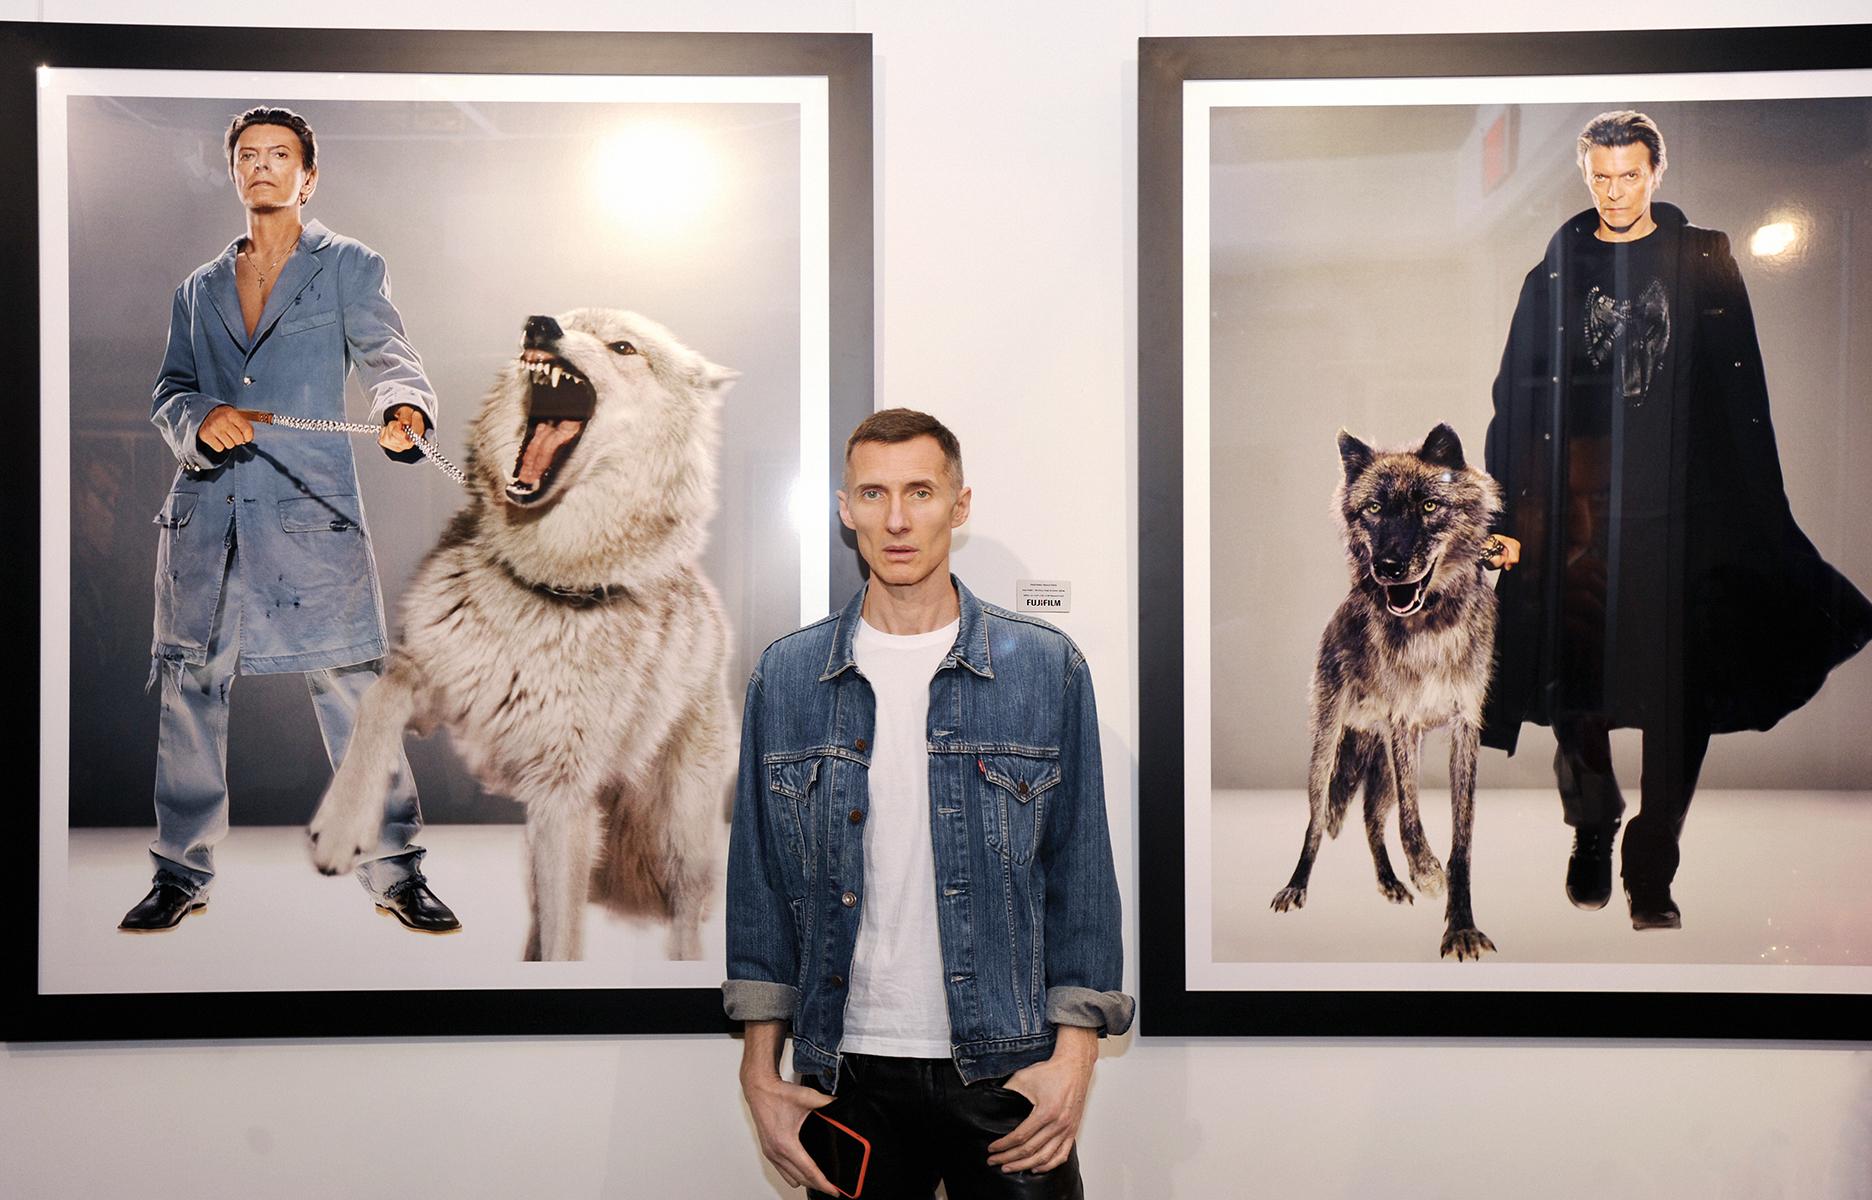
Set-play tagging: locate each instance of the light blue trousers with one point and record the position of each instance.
(191, 754)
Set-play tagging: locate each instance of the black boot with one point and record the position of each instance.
(1589, 870)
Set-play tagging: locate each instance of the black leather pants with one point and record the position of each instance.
(925, 1125)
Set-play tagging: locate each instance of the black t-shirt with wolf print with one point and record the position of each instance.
(1617, 416)
(1662, 575)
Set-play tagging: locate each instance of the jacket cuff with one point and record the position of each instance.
(759, 1000)
(1107, 1012)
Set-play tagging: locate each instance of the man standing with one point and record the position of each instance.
(1658, 579)
(264, 563)
(920, 878)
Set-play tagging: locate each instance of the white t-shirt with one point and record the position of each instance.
(897, 1005)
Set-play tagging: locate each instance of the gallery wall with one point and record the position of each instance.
(1006, 147)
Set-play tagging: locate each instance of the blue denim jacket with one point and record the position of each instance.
(291, 497)
(1027, 898)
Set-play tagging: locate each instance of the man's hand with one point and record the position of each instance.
(1057, 1088)
(223, 429)
(393, 438)
(779, 1108)
(1503, 553)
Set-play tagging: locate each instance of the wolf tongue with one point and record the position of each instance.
(547, 440)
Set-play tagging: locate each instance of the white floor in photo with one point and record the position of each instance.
(275, 923)
(1766, 878)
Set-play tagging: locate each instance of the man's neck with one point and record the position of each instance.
(271, 232)
(1643, 227)
(913, 608)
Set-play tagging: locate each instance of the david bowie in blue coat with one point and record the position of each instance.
(264, 561)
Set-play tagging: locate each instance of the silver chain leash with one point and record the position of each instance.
(320, 425)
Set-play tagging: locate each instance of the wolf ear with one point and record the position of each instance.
(1442, 448)
(1354, 455)
(717, 378)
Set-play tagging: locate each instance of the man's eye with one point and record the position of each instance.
(623, 348)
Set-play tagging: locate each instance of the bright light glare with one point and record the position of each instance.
(1774, 239)
(654, 175)
(806, 509)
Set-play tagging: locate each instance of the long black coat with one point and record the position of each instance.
(1718, 611)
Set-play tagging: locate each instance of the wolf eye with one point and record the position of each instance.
(1429, 506)
(623, 348)
(1373, 507)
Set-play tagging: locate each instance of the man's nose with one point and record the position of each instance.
(898, 517)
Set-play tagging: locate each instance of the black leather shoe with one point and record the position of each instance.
(165, 906)
(411, 902)
(1652, 906)
(1589, 870)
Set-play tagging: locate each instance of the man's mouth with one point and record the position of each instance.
(559, 403)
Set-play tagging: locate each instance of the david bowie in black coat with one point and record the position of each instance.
(1662, 582)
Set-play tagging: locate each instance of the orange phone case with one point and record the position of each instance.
(863, 1162)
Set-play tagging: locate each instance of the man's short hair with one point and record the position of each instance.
(893, 425)
(1622, 128)
(308, 145)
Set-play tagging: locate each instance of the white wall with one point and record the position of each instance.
(1006, 137)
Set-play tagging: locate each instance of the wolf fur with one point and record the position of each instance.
(1406, 652)
(564, 635)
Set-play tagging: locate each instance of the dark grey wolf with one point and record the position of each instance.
(1408, 651)
(563, 633)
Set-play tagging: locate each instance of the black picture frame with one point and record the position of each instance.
(843, 61)
(1170, 1006)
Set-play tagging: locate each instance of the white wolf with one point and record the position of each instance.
(563, 633)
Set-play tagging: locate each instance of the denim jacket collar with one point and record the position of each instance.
(970, 649)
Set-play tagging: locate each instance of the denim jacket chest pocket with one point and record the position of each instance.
(1013, 791)
(795, 787)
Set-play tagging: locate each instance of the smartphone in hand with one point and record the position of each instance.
(841, 1151)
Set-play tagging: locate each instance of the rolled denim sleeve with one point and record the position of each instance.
(388, 367)
(763, 946)
(177, 408)
(1084, 925)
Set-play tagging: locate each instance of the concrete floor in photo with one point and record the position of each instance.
(273, 922)
(1766, 877)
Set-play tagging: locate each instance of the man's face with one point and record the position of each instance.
(901, 502)
(1621, 179)
(269, 168)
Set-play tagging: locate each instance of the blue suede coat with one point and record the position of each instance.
(290, 497)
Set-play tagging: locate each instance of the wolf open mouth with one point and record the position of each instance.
(559, 403)
(1403, 599)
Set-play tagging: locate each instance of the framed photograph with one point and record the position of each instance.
(716, 185)
(1402, 298)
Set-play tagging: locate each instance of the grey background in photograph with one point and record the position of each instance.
(1363, 275)
(485, 213)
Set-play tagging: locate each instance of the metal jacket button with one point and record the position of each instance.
(856, 816)
(247, 380)
(849, 899)
(1020, 789)
(859, 745)
(838, 981)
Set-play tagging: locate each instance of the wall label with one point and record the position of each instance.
(1043, 595)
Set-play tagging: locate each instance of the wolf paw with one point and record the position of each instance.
(1428, 876)
(1467, 943)
(343, 831)
(684, 943)
(1289, 897)
(1395, 892)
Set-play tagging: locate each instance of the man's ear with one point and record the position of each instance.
(960, 513)
(845, 513)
